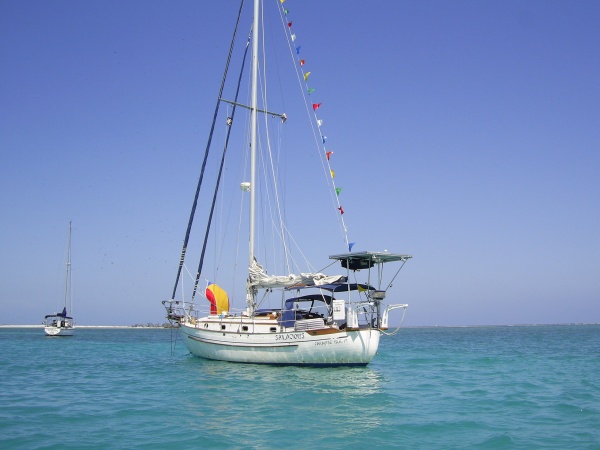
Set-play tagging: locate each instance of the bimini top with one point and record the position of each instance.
(366, 260)
(375, 257)
(57, 315)
(335, 287)
(60, 314)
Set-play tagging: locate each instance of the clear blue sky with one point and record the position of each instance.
(471, 130)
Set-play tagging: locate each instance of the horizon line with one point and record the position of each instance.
(390, 327)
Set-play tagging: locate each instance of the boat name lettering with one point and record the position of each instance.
(289, 337)
(331, 341)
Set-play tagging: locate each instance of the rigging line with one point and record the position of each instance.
(214, 200)
(278, 230)
(362, 295)
(183, 288)
(224, 220)
(241, 217)
(266, 210)
(238, 235)
(282, 160)
(206, 152)
(321, 136)
(271, 191)
(306, 261)
(281, 230)
(394, 277)
(267, 214)
(277, 183)
(68, 276)
(329, 265)
(321, 150)
(273, 171)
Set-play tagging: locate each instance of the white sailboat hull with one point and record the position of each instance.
(314, 348)
(59, 331)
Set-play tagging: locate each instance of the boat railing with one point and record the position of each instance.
(176, 310)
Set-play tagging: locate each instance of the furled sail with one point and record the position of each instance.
(260, 279)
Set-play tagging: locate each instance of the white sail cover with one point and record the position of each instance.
(261, 279)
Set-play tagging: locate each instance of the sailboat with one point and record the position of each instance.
(294, 318)
(61, 323)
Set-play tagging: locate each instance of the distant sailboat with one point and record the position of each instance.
(61, 324)
(304, 319)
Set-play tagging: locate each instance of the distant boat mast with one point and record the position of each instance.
(68, 299)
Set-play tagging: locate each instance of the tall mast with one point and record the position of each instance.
(253, 125)
(68, 277)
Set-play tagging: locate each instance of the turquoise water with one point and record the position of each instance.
(483, 387)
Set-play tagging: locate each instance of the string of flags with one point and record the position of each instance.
(315, 106)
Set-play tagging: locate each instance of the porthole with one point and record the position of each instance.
(245, 328)
(222, 327)
(273, 330)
